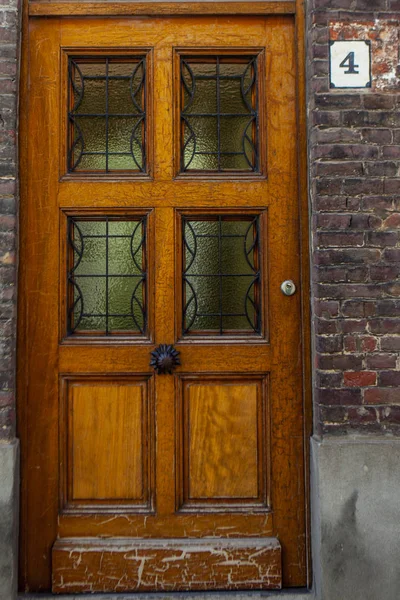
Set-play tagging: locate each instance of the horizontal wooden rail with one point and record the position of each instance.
(44, 8)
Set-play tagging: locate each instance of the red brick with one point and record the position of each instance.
(393, 222)
(359, 378)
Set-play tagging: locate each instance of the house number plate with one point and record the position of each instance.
(350, 64)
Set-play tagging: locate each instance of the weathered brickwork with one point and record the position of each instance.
(354, 150)
(9, 51)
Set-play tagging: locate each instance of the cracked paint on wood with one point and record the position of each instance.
(118, 565)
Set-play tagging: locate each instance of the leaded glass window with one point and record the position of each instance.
(221, 275)
(219, 114)
(107, 275)
(107, 114)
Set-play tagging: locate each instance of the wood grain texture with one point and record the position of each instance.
(222, 440)
(177, 565)
(40, 8)
(277, 351)
(106, 440)
(222, 426)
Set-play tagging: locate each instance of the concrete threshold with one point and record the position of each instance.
(278, 595)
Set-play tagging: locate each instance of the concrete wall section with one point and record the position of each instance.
(356, 512)
(9, 495)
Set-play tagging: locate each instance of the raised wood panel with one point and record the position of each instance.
(108, 442)
(223, 442)
(125, 565)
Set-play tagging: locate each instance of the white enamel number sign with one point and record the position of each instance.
(350, 64)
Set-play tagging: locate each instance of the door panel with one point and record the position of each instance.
(223, 444)
(107, 444)
(119, 258)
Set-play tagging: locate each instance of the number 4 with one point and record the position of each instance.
(348, 62)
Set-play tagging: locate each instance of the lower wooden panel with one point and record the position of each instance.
(106, 443)
(124, 565)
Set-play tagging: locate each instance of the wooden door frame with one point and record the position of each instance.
(37, 9)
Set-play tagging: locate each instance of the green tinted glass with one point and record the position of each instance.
(107, 276)
(221, 275)
(107, 114)
(219, 114)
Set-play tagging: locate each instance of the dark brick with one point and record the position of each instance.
(326, 309)
(390, 343)
(339, 396)
(356, 187)
(346, 151)
(381, 361)
(381, 168)
(384, 326)
(357, 308)
(333, 221)
(338, 135)
(379, 101)
(377, 136)
(347, 238)
(329, 344)
(389, 379)
(392, 254)
(381, 239)
(329, 379)
(388, 308)
(384, 273)
(381, 396)
(391, 152)
(330, 101)
(349, 168)
(339, 256)
(340, 362)
(354, 325)
(323, 326)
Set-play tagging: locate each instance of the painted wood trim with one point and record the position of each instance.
(40, 8)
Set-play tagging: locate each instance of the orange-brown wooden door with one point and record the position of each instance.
(160, 215)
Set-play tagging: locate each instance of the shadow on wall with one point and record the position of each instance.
(355, 568)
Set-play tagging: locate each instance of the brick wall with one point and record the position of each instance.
(9, 40)
(354, 150)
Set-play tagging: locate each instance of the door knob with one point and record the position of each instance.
(164, 359)
(288, 287)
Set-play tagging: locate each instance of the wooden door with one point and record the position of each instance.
(160, 363)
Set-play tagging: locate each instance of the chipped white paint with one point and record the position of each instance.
(119, 565)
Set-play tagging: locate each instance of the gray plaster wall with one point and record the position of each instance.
(356, 518)
(9, 513)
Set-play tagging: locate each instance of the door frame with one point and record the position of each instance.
(39, 9)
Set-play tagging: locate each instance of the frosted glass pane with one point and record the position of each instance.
(107, 115)
(221, 276)
(219, 114)
(107, 277)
